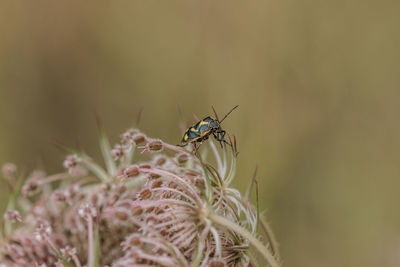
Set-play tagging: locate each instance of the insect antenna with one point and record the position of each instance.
(228, 113)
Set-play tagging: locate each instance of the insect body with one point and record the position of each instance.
(202, 130)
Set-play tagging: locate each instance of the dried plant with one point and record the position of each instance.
(175, 209)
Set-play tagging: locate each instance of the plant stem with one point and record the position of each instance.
(246, 234)
(90, 241)
(271, 237)
(209, 192)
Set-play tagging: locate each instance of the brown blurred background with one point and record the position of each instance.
(317, 83)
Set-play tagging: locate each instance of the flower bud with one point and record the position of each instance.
(135, 241)
(151, 220)
(127, 135)
(172, 185)
(145, 166)
(182, 158)
(73, 189)
(150, 209)
(15, 250)
(71, 161)
(61, 196)
(117, 152)
(154, 175)
(121, 215)
(12, 215)
(68, 251)
(160, 160)
(139, 138)
(42, 232)
(121, 189)
(30, 187)
(145, 194)
(87, 210)
(155, 145)
(124, 204)
(9, 171)
(131, 171)
(137, 210)
(156, 184)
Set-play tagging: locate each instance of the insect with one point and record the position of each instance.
(202, 130)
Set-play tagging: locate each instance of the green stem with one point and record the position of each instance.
(271, 237)
(199, 253)
(127, 159)
(12, 203)
(246, 234)
(232, 171)
(218, 158)
(209, 192)
(106, 150)
(58, 253)
(93, 240)
(95, 169)
(96, 262)
(200, 246)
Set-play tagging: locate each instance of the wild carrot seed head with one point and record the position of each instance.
(158, 214)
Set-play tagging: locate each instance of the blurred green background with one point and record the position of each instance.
(317, 83)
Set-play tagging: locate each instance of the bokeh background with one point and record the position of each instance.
(317, 83)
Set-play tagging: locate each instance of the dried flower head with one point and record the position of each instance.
(175, 209)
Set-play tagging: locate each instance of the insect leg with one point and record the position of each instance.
(194, 146)
(220, 137)
(222, 133)
(216, 136)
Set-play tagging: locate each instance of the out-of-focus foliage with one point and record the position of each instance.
(317, 84)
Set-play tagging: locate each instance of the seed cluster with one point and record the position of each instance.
(154, 213)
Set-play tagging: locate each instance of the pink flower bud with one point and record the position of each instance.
(160, 160)
(61, 196)
(145, 166)
(30, 187)
(131, 171)
(12, 215)
(126, 136)
(71, 161)
(42, 232)
(9, 171)
(145, 194)
(155, 145)
(117, 152)
(87, 210)
(68, 251)
(182, 158)
(156, 184)
(137, 210)
(121, 214)
(139, 138)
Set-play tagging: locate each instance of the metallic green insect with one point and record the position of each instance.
(203, 129)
